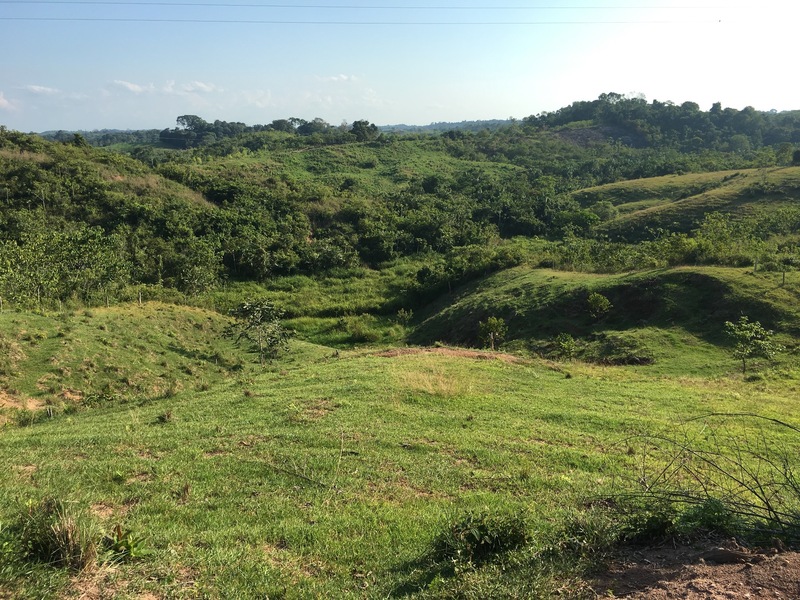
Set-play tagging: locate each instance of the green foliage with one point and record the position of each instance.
(480, 536)
(260, 322)
(492, 332)
(598, 304)
(566, 346)
(122, 545)
(751, 340)
(53, 532)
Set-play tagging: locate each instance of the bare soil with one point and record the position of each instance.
(717, 572)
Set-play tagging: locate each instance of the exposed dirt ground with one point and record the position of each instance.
(712, 573)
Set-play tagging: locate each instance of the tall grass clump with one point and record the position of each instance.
(478, 537)
(55, 533)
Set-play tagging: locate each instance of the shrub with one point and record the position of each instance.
(477, 537)
(492, 331)
(566, 345)
(598, 304)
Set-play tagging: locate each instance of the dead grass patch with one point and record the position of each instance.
(292, 566)
(460, 352)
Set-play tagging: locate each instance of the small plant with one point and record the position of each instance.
(404, 316)
(477, 537)
(261, 323)
(751, 341)
(492, 332)
(121, 545)
(566, 345)
(598, 304)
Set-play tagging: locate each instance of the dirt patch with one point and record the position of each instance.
(10, 403)
(711, 573)
(106, 511)
(71, 395)
(474, 354)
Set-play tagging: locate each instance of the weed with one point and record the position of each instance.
(122, 545)
(723, 482)
(165, 417)
(54, 533)
(478, 537)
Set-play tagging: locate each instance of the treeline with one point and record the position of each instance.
(683, 127)
(106, 137)
(193, 131)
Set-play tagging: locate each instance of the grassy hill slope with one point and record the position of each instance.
(107, 355)
(668, 314)
(679, 202)
(334, 475)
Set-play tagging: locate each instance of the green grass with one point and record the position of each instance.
(679, 202)
(675, 314)
(77, 358)
(344, 471)
(333, 476)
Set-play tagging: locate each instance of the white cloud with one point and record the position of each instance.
(40, 89)
(5, 104)
(200, 86)
(339, 78)
(258, 98)
(135, 87)
(172, 88)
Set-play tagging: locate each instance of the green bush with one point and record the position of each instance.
(478, 537)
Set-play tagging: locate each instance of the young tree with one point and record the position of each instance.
(598, 305)
(492, 331)
(751, 340)
(260, 322)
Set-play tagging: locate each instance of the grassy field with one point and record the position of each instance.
(679, 202)
(360, 473)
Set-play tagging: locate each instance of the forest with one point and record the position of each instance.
(238, 202)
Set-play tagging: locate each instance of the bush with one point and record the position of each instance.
(492, 332)
(598, 305)
(566, 347)
(477, 537)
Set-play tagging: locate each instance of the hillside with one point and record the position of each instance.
(516, 353)
(333, 473)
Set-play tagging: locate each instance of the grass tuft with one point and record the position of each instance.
(55, 533)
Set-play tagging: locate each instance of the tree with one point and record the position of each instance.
(492, 331)
(598, 305)
(751, 340)
(364, 131)
(260, 322)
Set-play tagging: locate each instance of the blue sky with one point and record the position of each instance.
(140, 63)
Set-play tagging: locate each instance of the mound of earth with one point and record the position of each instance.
(724, 572)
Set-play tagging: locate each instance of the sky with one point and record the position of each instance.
(139, 64)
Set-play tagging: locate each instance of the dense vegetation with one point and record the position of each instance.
(635, 260)
(299, 197)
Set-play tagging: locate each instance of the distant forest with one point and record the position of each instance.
(190, 207)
